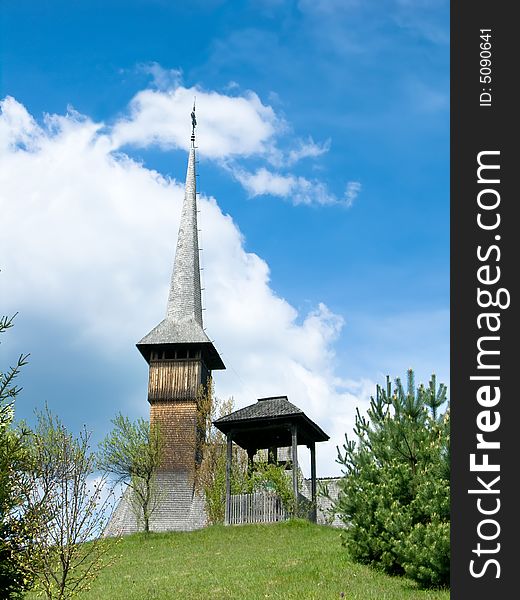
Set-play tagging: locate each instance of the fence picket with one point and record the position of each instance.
(259, 507)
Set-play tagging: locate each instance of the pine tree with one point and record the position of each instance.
(395, 496)
(18, 522)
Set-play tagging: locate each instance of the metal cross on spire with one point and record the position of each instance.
(193, 122)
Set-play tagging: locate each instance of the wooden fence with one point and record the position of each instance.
(260, 507)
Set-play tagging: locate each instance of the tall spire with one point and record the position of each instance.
(184, 301)
(183, 323)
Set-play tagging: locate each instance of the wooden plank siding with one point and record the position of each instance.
(176, 379)
(172, 392)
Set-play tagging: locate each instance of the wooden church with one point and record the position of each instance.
(181, 358)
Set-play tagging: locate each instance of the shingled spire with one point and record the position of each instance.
(184, 301)
(183, 322)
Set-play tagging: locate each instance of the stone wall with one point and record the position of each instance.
(324, 505)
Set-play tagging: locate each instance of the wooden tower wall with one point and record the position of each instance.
(172, 392)
(176, 379)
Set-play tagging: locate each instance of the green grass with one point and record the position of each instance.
(287, 560)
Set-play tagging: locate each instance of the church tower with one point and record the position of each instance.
(179, 353)
(180, 357)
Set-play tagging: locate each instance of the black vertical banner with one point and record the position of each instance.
(485, 267)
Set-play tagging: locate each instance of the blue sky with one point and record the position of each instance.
(324, 150)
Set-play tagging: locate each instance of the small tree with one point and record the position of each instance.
(70, 549)
(211, 474)
(132, 453)
(394, 497)
(270, 477)
(19, 522)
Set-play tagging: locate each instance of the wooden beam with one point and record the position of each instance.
(314, 512)
(294, 436)
(229, 459)
(250, 463)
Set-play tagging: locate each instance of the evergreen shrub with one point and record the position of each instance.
(395, 497)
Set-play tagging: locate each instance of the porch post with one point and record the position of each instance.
(250, 462)
(294, 433)
(229, 458)
(314, 510)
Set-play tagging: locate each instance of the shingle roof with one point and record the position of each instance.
(268, 423)
(184, 300)
(183, 322)
(169, 331)
(277, 406)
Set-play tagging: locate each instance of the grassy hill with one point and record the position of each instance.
(287, 560)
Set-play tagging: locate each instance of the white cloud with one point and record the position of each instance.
(162, 79)
(265, 182)
(87, 242)
(352, 192)
(17, 127)
(76, 220)
(308, 149)
(230, 128)
(297, 189)
(162, 118)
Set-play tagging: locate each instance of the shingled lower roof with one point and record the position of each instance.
(276, 406)
(179, 332)
(268, 423)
